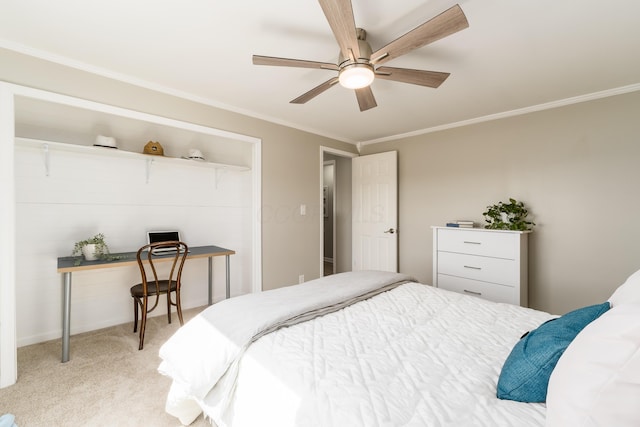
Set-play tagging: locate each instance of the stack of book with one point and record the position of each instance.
(460, 224)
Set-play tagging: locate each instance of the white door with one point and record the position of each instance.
(375, 212)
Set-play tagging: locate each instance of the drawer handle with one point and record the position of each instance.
(472, 267)
(472, 243)
(472, 292)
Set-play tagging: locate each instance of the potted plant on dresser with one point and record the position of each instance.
(508, 216)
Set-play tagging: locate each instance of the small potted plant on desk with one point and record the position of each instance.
(92, 249)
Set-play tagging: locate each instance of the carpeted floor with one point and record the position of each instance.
(107, 381)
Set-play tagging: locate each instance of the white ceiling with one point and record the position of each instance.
(515, 56)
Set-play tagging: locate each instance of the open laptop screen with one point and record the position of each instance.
(162, 236)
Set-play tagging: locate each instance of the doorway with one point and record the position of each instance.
(335, 218)
(329, 216)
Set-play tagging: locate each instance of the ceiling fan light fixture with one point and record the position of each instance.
(356, 76)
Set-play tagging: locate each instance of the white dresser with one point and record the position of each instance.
(490, 264)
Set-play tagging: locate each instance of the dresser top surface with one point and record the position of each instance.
(442, 227)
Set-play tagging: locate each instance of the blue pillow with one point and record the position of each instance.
(525, 374)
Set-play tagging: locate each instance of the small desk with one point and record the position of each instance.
(66, 266)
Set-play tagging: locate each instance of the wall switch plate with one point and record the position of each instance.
(301, 278)
(303, 209)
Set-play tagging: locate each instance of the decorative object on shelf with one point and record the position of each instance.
(105, 141)
(461, 224)
(153, 147)
(508, 216)
(195, 155)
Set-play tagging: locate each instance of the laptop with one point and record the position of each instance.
(163, 236)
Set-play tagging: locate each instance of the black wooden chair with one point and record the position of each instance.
(152, 285)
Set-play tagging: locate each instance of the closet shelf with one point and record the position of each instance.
(103, 151)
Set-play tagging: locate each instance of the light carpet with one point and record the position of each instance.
(106, 382)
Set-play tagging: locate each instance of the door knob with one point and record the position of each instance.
(390, 231)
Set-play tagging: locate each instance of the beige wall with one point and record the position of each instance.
(577, 168)
(290, 158)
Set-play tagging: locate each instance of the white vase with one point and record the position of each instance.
(89, 252)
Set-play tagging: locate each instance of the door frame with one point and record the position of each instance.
(340, 153)
(8, 331)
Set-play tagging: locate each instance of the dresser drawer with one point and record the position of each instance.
(493, 244)
(495, 270)
(489, 291)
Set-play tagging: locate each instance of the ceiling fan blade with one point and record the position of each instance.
(286, 62)
(366, 99)
(339, 13)
(448, 22)
(314, 92)
(415, 77)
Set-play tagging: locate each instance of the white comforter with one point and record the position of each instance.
(414, 355)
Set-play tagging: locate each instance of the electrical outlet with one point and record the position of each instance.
(303, 210)
(301, 278)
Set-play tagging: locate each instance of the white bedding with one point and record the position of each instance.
(414, 355)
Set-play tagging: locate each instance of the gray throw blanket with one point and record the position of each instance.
(204, 353)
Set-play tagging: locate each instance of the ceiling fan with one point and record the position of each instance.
(358, 65)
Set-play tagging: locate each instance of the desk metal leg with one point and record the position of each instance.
(228, 271)
(228, 278)
(210, 280)
(66, 316)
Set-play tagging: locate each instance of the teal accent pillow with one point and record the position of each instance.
(525, 374)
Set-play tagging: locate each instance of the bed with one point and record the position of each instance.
(380, 349)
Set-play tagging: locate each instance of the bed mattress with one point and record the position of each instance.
(411, 356)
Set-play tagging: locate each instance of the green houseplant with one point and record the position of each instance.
(508, 216)
(92, 248)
